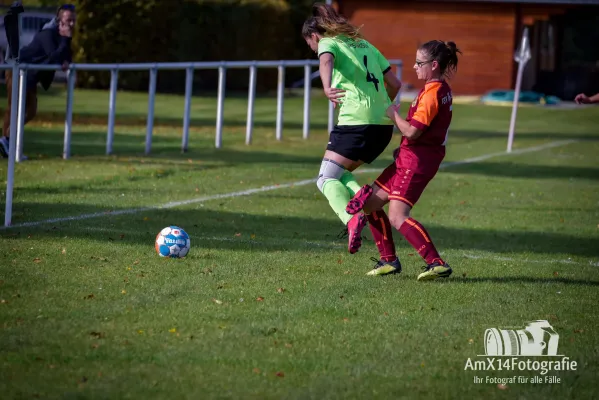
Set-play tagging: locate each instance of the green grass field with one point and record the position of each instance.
(269, 304)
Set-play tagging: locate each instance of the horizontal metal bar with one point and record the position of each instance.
(175, 66)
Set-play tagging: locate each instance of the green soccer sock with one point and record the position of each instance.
(338, 196)
(350, 183)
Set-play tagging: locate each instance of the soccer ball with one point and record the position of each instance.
(172, 242)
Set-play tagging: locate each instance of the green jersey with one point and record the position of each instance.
(359, 68)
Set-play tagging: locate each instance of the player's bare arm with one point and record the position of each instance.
(407, 130)
(327, 61)
(584, 99)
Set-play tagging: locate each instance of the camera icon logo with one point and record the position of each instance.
(538, 338)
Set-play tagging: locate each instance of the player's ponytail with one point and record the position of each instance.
(452, 58)
(327, 21)
(445, 53)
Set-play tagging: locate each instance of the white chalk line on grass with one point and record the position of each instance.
(524, 261)
(550, 145)
(330, 245)
(263, 189)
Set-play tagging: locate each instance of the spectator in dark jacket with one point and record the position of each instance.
(51, 45)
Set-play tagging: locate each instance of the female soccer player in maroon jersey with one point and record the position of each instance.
(419, 156)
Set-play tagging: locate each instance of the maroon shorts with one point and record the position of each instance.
(406, 178)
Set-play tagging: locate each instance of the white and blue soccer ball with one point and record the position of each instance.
(172, 242)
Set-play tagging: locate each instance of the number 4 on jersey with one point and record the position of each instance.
(370, 76)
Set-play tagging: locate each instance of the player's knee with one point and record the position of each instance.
(320, 182)
(329, 170)
(397, 220)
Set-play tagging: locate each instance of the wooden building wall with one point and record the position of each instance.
(486, 34)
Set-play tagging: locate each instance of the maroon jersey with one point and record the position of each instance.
(419, 159)
(431, 113)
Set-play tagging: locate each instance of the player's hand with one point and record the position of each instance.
(582, 99)
(334, 94)
(392, 110)
(65, 66)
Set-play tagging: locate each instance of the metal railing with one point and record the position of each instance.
(19, 97)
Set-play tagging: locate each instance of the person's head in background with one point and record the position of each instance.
(66, 19)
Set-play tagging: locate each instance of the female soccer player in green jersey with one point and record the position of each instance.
(352, 72)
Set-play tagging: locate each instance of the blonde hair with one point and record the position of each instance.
(327, 21)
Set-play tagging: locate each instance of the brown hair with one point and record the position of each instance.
(325, 20)
(65, 7)
(445, 53)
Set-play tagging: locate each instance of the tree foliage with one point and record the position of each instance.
(120, 31)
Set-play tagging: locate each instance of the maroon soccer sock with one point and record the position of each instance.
(419, 238)
(383, 235)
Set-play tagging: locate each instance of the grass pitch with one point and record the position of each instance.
(269, 304)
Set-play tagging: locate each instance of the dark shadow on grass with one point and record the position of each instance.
(197, 121)
(524, 279)
(515, 170)
(512, 242)
(272, 233)
(208, 229)
(40, 145)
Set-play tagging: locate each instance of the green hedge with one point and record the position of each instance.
(188, 30)
(121, 31)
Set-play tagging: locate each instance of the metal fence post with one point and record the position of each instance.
(307, 90)
(398, 68)
(397, 100)
(12, 147)
(111, 110)
(21, 113)
(251, 101)
(151, 100)
(68, 124)
(187, 112)
(280, 101)
(331, 123)
(522, 56)
(222, 76)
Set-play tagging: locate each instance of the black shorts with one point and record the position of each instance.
(360, 142)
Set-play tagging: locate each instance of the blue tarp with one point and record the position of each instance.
(528, 97)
